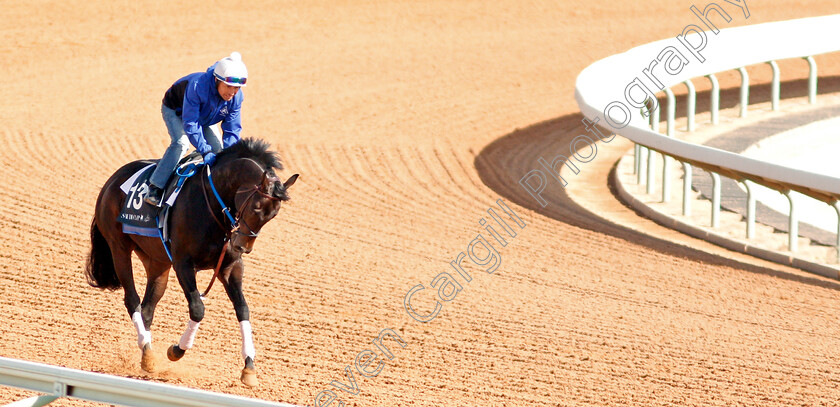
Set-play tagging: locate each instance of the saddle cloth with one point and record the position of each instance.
(143, 219)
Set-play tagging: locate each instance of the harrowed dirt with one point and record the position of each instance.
(407, 121)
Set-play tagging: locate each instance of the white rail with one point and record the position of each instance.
(619, 85)
(57, 382)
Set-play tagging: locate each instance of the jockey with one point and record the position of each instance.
(193, 104)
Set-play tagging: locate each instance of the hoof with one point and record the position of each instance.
(249, 377)
(148, 362)
(174, 353)
(249, 373)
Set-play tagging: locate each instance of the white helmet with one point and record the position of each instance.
(231, 70)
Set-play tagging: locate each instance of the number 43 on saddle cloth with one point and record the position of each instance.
(140, 218)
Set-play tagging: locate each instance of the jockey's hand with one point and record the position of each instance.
(209, 158)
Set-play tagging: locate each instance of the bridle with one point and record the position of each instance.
(236, 222)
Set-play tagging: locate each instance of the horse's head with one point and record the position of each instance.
(257, 204)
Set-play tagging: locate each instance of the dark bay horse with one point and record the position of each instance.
(201, 236)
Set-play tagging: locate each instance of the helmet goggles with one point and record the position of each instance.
(232, 80)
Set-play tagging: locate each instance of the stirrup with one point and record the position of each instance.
(154, 197)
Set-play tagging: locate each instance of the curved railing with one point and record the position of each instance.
(619, 94)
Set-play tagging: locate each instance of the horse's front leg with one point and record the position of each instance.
(185, 271)
(233, 286)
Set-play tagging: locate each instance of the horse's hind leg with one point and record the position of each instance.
(122, 265)
(157, 275)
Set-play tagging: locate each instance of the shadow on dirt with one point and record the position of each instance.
(502, 163)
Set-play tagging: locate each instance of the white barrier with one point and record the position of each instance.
(619, 85)
(59, 382)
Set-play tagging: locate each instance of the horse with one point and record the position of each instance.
(214, 221)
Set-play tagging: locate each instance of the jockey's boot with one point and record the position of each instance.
(155, 195)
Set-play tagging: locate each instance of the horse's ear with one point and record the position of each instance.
(289, 182)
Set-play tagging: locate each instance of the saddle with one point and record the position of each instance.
(140, 218)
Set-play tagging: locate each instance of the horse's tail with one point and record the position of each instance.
(100, 270)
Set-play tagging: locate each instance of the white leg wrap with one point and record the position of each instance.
(143, 336)
(247, 340)
(188, 337)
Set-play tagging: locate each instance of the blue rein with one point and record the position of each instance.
(225, 209)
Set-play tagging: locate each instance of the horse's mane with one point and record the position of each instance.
(255, 149)
(259, 151)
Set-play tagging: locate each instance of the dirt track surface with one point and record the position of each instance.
(407, 121)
